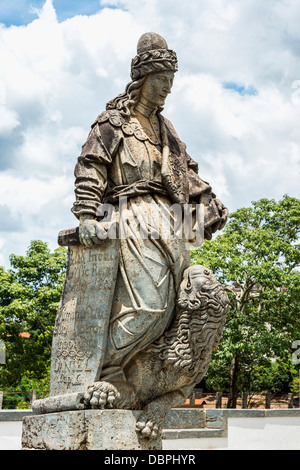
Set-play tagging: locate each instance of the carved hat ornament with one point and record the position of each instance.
(153, 55)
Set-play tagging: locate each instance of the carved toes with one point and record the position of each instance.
(148, 428)
(101, 395)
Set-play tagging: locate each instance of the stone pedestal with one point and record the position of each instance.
(85, 430)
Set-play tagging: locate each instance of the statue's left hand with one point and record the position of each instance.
(223, 211)
(89, 231)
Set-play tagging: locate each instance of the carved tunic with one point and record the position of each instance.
(119, 158)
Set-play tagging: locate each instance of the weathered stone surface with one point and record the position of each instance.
(136, 324)
(279, 412)
(14, 415)
(69, 237)
(80, 333)
(158, 378)
(184, 418)
(67, 402)
(214, 419)
(85, 430)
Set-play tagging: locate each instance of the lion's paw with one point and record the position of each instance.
(147, 427)
(101, 395)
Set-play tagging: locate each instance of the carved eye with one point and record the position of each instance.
(188, 285)
(206, 272)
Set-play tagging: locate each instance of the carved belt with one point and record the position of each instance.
(135, 189)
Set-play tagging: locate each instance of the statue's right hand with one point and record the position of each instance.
(87, 231)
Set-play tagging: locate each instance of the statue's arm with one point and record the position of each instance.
(91, 179)
(197, 186)
(215, 213)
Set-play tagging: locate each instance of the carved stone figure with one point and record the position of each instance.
(134, 152)
(164, 374)
(136, 324)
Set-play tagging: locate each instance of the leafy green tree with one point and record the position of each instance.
(257, 258)
(295, 386)
(29, 296)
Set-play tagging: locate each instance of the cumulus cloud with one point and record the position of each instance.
(235, 100)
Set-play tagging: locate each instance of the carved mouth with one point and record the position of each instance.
(194, 304)
(191, 304)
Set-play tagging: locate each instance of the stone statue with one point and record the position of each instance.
(136, 324)
(164, 374)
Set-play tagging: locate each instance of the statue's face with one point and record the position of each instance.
(156, 88)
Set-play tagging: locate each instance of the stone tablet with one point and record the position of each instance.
(80, 333)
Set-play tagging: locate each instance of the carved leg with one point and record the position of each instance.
(101, 395)
(107, 395)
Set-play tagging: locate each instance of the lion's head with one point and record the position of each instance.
(197, 281)
(202, 307)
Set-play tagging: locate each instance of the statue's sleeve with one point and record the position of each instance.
(197, 186)
(216, 213)
(91, 168)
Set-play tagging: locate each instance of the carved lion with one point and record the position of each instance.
(163, 375)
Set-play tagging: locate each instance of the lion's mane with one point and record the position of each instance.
(195, 333)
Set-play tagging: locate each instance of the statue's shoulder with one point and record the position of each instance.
(121, 125)
(111, 116)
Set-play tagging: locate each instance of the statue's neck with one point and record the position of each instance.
(145, 109)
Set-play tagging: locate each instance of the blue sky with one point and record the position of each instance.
(21, 12)
(249, 90)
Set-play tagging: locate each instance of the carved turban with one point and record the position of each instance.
(153, 55)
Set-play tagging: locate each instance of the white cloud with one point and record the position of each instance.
(8, 120)
(56, 77)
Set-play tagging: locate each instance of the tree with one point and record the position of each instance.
(256, 258)
(29, 296)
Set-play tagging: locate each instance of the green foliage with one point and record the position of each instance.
(29, 296)
(257, 258)
(22, 405)
(28, 382)
(295, 386)
(272, 377)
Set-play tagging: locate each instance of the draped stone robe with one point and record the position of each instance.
(119, 159)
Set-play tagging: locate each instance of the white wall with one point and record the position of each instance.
(10, 435)
(277, 433)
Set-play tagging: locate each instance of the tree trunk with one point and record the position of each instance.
(233, 388)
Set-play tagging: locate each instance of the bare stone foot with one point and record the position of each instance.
(101, 395)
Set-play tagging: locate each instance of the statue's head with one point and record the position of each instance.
(152, 73)
(152, 56)
(156, 88)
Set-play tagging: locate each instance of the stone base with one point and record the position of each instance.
(85, 430)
